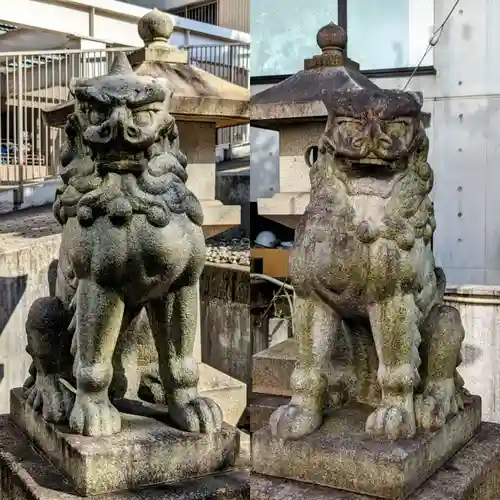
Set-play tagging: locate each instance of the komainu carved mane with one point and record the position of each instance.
(144, 173)
(362, 266)
(132, 251)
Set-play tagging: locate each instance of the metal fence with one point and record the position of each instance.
(232, 14)
(34, 81)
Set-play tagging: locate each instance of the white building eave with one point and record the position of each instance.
(109, 21)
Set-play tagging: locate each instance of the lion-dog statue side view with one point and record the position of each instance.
(132, 251)
(363, 268)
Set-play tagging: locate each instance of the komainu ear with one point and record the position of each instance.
(74, 84)
(418, 96)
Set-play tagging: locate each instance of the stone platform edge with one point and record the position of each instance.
(340, 455)
(144, 453)
(472, 474)
(26, 475)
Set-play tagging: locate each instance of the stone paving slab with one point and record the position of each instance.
(22, 228)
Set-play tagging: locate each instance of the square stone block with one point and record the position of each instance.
(146, 452)
(341, 455)
(26, 475)
(472, 474)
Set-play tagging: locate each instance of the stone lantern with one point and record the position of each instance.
(295, 109)
(201, 104)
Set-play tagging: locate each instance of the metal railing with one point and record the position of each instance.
(30, 83)
(232, 14)
(204, 12)
(34, 81)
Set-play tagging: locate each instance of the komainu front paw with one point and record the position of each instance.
(438, 401)
(198, 415)
(48, 397)
(94, 415)
(391, 422)
(294, 422)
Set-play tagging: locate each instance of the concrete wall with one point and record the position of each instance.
(23, 278)
(464, 99)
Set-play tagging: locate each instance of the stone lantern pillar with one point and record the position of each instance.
(201, 104)
(295, 109)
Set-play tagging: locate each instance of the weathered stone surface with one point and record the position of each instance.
(123, 319)
(363, 272)
(341, 455)
(273, 367)
(472, 474)
(300, 96)
(198, 93)
(26, 475)
(272, 370)
(145, 452)
(261, 408)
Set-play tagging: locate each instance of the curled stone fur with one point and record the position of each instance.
(132, 251)
(365, 276)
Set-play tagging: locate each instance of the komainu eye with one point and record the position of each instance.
(349, 124)
(396, 127)
(143, 118)
(96, 117)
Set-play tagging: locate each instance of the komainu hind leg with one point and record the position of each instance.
(394, 323)
(316, 329)
(135, 361)
(442, 386)
(49, 345)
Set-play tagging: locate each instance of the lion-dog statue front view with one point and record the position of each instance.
(364, 274)
(132, 251)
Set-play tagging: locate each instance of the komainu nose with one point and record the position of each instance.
(106, 132)
(359, 142)
(131, 132)
(377, 136)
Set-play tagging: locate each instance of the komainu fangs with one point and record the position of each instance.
(364, 273)
(132, 251)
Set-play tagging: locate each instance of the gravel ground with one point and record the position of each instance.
(225, 250)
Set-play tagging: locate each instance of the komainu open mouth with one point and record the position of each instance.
(375, 168)
(120, 155)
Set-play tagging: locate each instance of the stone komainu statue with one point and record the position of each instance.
(365, 276)
(131, 255)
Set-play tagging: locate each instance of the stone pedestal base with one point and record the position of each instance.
(341, 455)
(26, 475)
(146, 452)
(471, 474)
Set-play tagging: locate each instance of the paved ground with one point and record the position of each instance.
(22, 227)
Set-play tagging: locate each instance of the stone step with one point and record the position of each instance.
(261, 407)
(272, 368)
(229, 393)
